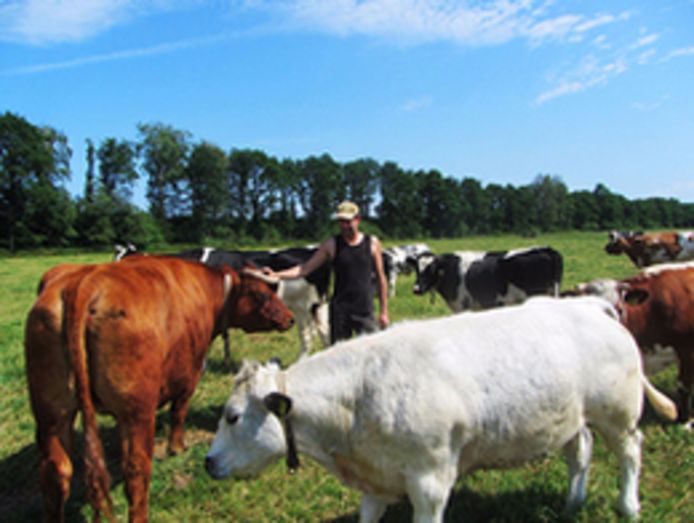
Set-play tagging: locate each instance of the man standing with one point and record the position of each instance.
(355, 257)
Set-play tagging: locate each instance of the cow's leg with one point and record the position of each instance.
(55, 472)
(54, 406)
(137, 441)
(303, 327)
(578, 452)
(429, 493)
(227, 349)
(685, 384)
(371, 509)
(626, 444)
(322, 320)
(178, 413)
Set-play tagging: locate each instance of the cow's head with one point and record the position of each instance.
(622, 295)
(123, 250)
(250, 435)
(253, 304)
(623, 241)
(427, 268)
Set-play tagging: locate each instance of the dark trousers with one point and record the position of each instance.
(344, 324)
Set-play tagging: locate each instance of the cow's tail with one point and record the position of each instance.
(663, 405)
(78, 300)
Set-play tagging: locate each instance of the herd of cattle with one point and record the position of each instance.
(402, 412)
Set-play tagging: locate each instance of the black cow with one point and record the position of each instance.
(305, 297)
(481, 280)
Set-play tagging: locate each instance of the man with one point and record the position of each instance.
(355, 256)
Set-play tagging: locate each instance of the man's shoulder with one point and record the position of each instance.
(328, 246)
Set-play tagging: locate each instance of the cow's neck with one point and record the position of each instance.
(321, 421)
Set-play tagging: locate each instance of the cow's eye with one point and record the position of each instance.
(231, 417)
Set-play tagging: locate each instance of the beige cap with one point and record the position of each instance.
(346, 211)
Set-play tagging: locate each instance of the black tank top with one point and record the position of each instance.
(353, 267)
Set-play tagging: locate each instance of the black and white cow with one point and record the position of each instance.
(401, 260)
(481, 280)
(305, 297)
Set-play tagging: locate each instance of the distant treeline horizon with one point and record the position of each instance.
(198, 192)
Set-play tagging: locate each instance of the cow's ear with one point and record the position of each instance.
(279, 404)
(636, 296)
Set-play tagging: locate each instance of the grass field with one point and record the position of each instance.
(182, 491)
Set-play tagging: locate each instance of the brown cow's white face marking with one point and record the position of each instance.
(249, 437)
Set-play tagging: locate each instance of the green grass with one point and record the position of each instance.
(182, 491)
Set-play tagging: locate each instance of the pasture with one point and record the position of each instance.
(182, 491)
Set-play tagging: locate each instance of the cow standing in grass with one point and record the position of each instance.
(401, 260)
(124, 339)
(307, 297)
(657, 306)
(405, 411)
(646, 249)
(475, 280)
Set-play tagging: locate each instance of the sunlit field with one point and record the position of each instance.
(182, 491)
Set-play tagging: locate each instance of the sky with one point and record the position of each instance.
(497, 90)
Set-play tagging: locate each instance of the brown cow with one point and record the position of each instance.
(124, 339)
(649, 248)
(657, 306)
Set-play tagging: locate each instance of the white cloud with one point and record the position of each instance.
(415, 21)
(115, 56)
(47, 21)
(417, 104)
(683, 51)
(42, 22)
(649, 106)
(591, 72)
(645, 40)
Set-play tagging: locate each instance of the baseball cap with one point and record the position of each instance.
(346, 211)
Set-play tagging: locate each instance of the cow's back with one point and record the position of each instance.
(510, 373)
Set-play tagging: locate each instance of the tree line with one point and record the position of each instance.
(198, 192)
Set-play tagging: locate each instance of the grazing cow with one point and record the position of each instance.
(305, 297)
(480, 280)
(124, 339)
(406, 410)
(650, 248)
(657, 306)
(401, 260)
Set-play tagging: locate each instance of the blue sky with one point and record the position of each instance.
(498, 90)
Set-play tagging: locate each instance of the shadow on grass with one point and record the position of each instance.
(527, 506)
(20, 494)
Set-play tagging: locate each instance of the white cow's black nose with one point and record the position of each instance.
(209, 466)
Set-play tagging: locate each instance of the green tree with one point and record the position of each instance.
(360, 179)
(31, 159)
(164, 152)
(89, 175)
(401, 211)
(117, 173)
(210, 195)
(443, 207)
(550, 203)
(585, 212)
(250, 174)
(320, 189)
(474, 205)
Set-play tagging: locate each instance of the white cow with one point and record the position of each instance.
(401, 260)
(407, 410)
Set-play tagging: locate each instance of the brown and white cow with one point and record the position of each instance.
(657, 306)
(650, 248)
(125, 339)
